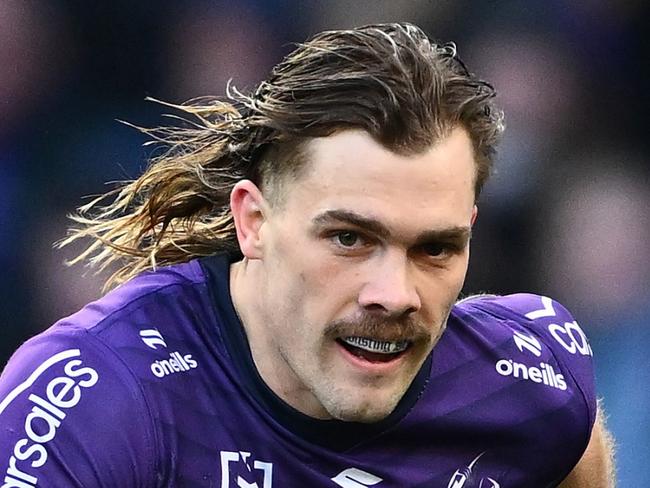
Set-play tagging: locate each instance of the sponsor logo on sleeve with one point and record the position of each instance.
(49, 410)
(175, 363)
(545, 374)
(152, 338)
(527, 342)
(547, 310)
(571, 338)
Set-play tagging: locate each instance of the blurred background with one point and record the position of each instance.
(566, 215)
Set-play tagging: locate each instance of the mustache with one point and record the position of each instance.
(380, 328)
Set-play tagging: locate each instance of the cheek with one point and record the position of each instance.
(457, 274)
(445, 287)
(297, 287)
(327, 290)
(306, 280)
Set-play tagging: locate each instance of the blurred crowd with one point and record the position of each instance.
(567, 214)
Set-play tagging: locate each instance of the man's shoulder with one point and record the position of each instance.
(60, 392)
(527, 338)
(128, 359)
(153, 307)
(519, 306)
(159, 323)
(508, 367)
(125, 334)
(538, 317)
(147, 291)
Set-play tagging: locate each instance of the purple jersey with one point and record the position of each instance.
(154, 386)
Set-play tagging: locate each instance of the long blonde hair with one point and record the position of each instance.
(388, 79)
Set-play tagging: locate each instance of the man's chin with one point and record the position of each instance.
(365, 413)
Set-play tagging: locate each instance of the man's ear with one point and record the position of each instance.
(474, 215)
(248, 210)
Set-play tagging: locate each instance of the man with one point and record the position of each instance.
(287, 315)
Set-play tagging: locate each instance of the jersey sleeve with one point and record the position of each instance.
(72, 414)
(558, 330)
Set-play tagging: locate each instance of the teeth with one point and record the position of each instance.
(372, 345)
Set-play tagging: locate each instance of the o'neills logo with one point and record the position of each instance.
(175, 364)
(49, 410)
(545, 374)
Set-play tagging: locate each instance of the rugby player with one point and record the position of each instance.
(285, 310)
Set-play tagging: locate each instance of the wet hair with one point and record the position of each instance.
(389, 80)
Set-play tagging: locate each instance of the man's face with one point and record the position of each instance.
(361, 263)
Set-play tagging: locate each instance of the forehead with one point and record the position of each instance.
(350, 171)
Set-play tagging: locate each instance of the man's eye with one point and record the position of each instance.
(347, 238)
(436, 249)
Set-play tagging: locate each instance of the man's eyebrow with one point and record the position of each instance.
(345, 216)
(458, 233)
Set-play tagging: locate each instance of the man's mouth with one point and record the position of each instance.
(374, 350)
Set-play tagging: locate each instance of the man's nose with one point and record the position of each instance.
(390, 286)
